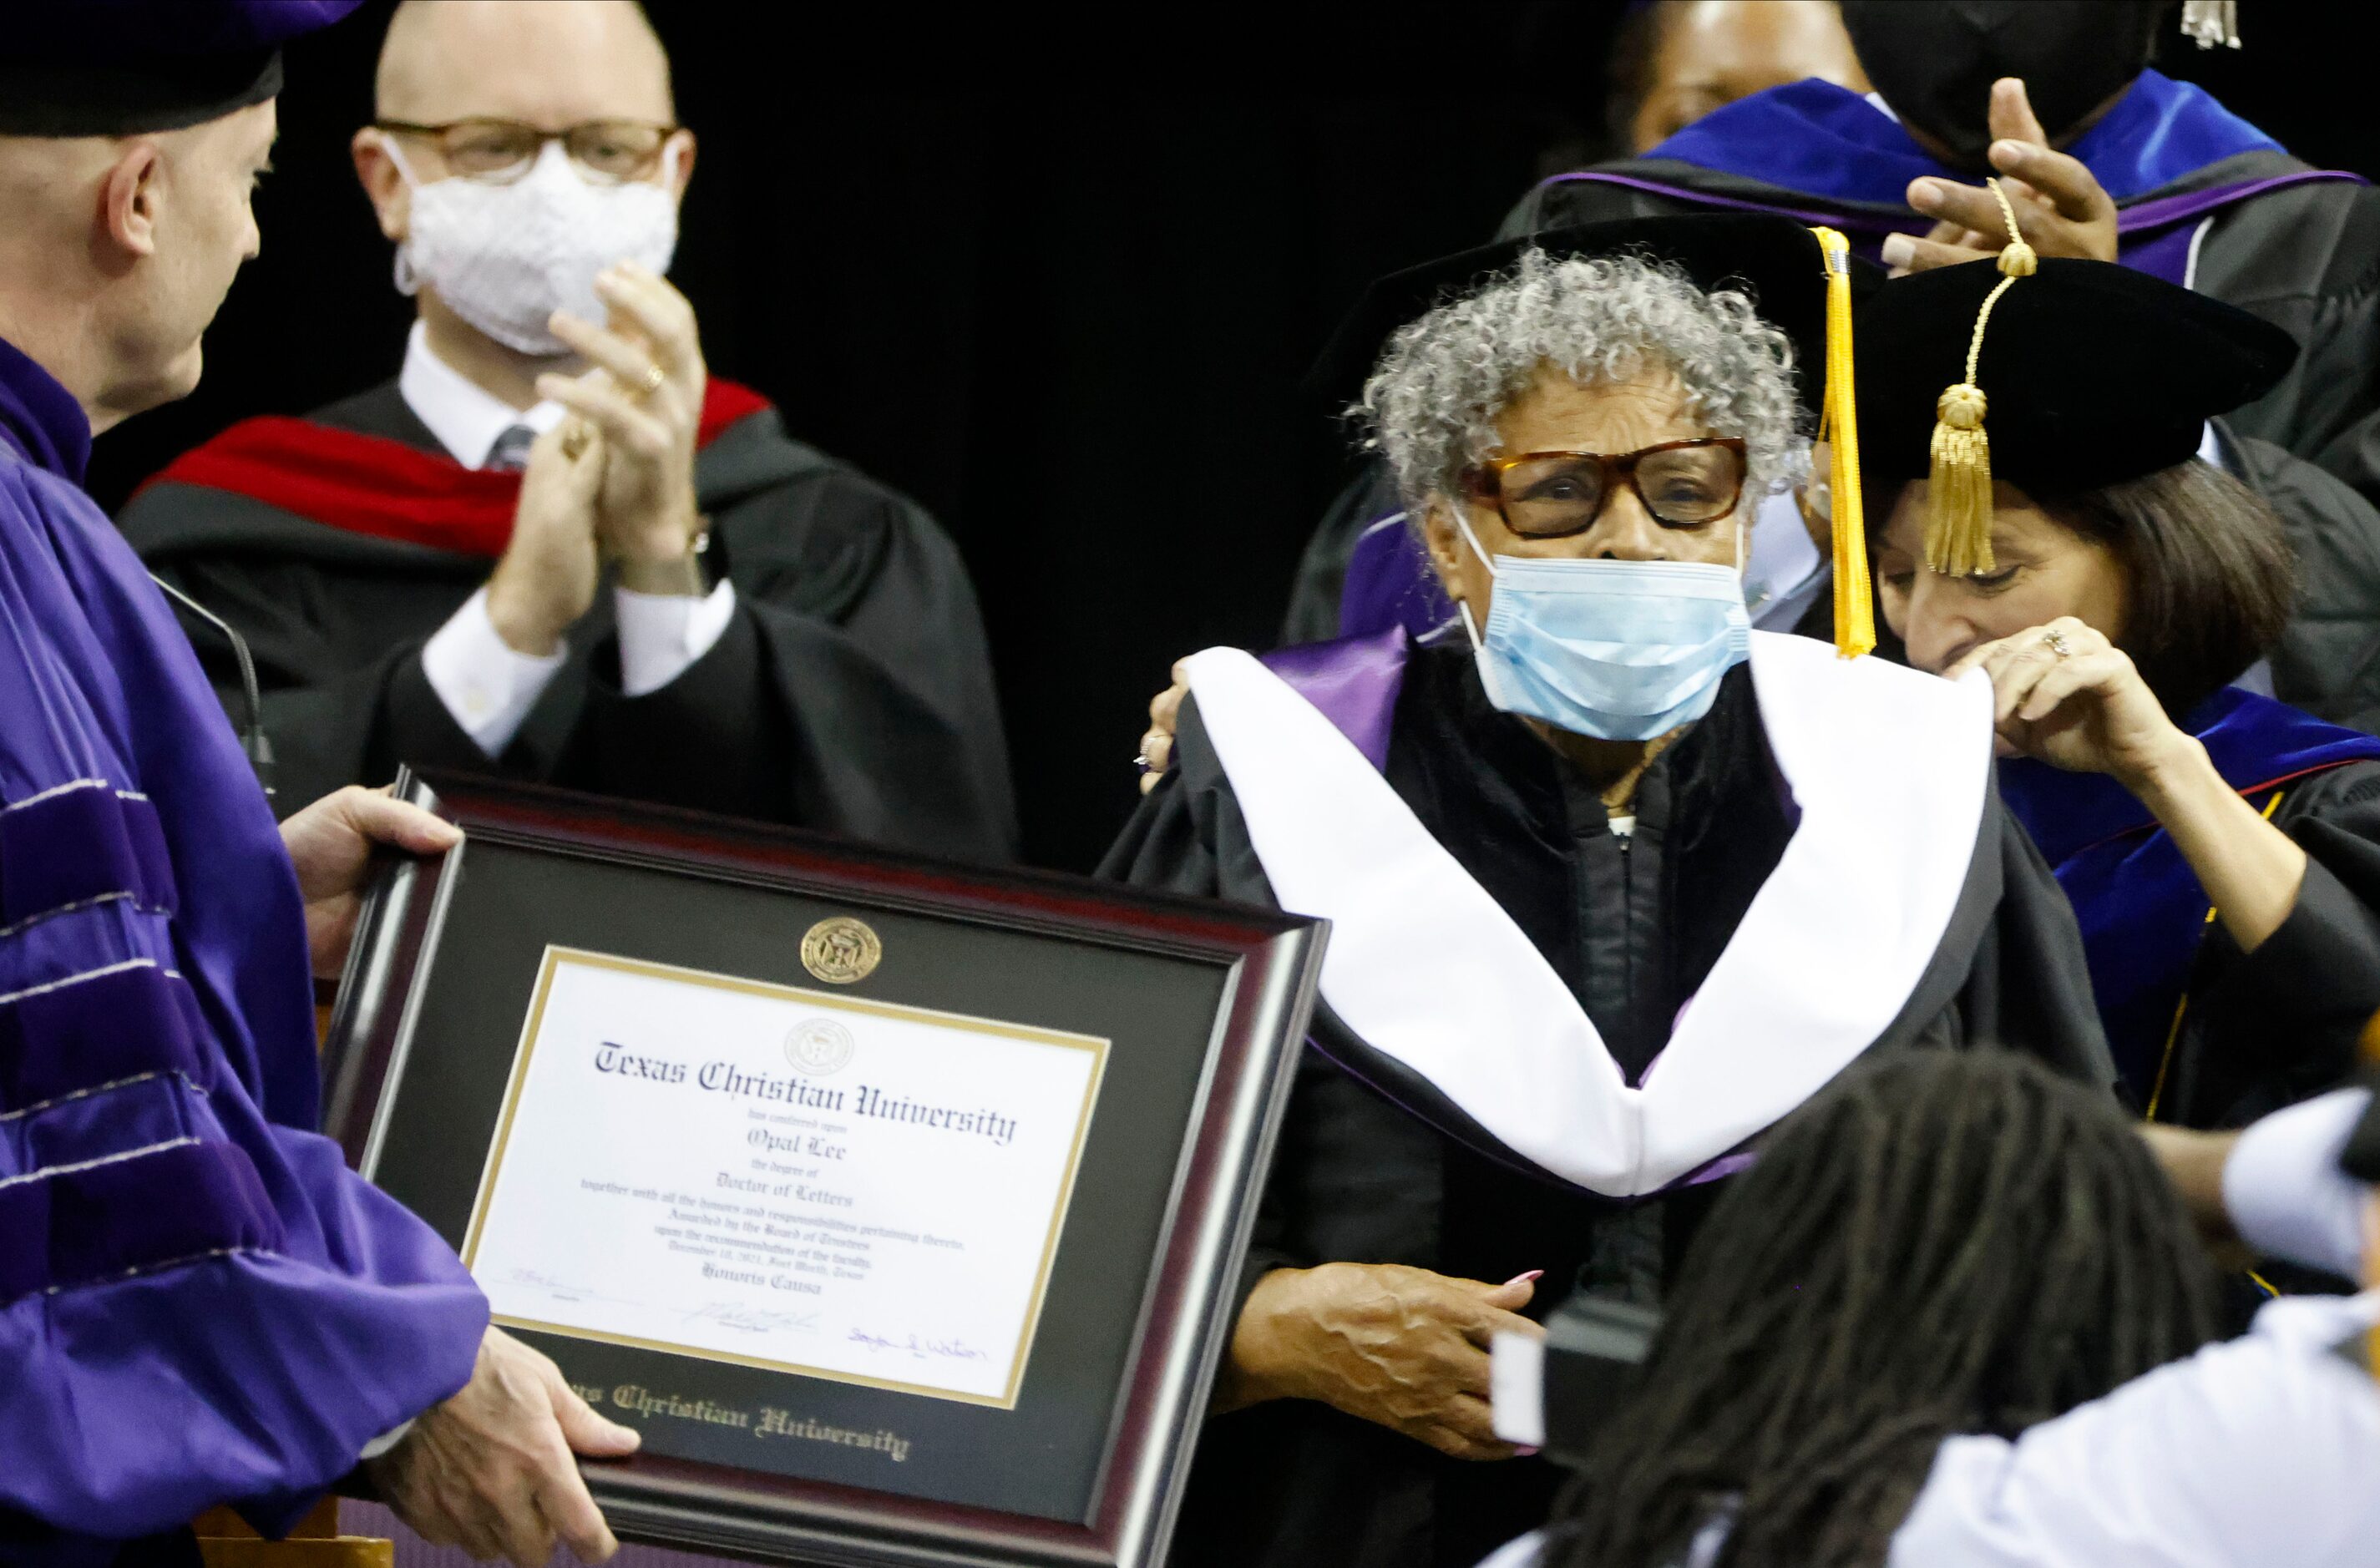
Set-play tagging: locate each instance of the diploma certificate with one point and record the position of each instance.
(781, 1178)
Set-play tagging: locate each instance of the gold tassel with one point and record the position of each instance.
(1838, 424)
(1959, 488)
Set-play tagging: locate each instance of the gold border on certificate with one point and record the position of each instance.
(842, 1003)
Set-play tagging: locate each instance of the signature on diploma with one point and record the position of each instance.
(537, 1280)
(923, 1349)
(745, 1319)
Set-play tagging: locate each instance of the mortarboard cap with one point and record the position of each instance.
(120, 67)
(2095, 374)
(1802, 281)
(1774, 259)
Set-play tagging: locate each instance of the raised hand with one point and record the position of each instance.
(644, 391)
(2061, 210)
(2066, 695)
(1402, 1347)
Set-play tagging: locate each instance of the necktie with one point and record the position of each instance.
(510, 453)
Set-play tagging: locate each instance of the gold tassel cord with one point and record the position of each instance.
(1838, 424)
(1958, 531)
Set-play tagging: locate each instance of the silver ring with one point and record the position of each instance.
(2054, 640)
(1140, 760)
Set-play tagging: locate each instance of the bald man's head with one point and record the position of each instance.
(553, 64)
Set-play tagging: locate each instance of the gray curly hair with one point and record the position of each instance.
(1431, 404)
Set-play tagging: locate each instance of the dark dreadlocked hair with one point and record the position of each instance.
(1940, 1243)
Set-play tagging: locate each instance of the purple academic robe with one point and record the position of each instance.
(199, 1303)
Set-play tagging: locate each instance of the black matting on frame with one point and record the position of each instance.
(1203, 1006)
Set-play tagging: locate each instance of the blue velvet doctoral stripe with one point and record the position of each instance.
(198, 1303)
(1817, 139)
(2141, 911)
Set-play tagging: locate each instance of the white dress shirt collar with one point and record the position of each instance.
(464, 416)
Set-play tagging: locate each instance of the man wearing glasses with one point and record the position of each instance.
(419, 571)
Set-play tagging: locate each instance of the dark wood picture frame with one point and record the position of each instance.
(1272, 963)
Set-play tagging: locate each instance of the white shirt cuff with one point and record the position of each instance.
(2285, 1192)
(386, 1441)
(488, 685)
(662, 634)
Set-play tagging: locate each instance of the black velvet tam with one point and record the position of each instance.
(2092, 373)
(1775, 261)
(122, 67)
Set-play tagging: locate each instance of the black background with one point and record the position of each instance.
(1158, 1010)
(1059, 277)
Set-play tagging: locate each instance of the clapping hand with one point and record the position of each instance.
(547, 578)
(2060, 207)
(644, 391)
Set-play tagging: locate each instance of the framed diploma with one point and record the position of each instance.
(899, 1206)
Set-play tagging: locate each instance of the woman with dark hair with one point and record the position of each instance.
(2221, 849)
(1939, 1325)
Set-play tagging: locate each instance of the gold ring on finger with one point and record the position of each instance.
(651, 381)
(2054, 640)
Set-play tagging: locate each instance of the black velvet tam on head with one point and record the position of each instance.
(2094, 373)
(122, 67)
(1775, 261)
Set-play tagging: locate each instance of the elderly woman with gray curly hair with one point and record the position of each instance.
(1614, 881)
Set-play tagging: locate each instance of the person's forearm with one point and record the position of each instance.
(1245, 1375)
(2249, 868)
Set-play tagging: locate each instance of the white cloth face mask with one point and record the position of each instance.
(505, 257)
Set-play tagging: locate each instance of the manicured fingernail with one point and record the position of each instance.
(1899, 250)
(1524, 1451)
(1924, 195)
(2009, 152)
(1524, 1278)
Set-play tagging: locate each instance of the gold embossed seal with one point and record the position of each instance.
(841, 949)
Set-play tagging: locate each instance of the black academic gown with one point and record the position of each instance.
(2265, 1029)
(1633, 927)
(851, 693)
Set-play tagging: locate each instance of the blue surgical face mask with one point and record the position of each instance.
(1615, 649)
